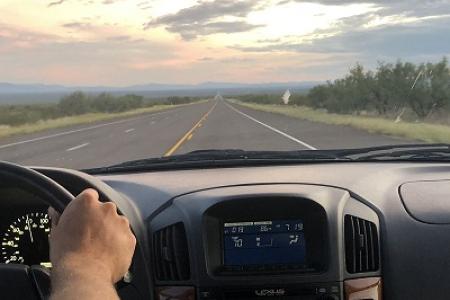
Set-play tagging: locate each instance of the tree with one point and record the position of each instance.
(103, 102)
(76, 103)
(391, 89)
(431, 91)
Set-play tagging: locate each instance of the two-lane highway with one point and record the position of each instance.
(216, 124)
(105, 143)
(232, 126)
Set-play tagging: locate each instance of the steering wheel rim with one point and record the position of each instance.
(53, 193)
(20, 281)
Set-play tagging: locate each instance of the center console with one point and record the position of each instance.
(265, 241)
(243, 237)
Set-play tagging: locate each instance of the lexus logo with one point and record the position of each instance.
(270, 292)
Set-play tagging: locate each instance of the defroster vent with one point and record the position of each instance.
(171, 255)
(361, 245)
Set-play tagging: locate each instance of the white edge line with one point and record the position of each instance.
(77, 147)
(129, 130)
(272, 128)
(80, 130)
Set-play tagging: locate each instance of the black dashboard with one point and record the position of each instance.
(318, 231)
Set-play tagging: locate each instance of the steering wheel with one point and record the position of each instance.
(21, 281)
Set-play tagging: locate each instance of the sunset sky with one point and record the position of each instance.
(124, 42)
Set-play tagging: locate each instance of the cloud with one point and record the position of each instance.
(205, 18)
(78, 25)
(335, 2)
(227, 60)
(94, 29)
(207, 10)
(86, 2)
(145, 5)
(346, 2)
(120, 38)
(392, 42)
(395, 29)
(54, 3)
(263, 41)
(417, 8)
(191, 31)
(106, 49)
(107, 2)
(237, 60)
(31, 56)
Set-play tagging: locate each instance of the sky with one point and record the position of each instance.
(126, 42)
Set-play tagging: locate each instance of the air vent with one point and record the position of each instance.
(361, 245)
(170, 252)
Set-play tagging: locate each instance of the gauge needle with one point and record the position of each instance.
(29, 230)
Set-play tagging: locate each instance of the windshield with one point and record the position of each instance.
(86, 84)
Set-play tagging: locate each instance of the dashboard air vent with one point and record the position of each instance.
(361, 245)
(170, 252)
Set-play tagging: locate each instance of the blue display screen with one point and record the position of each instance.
(275, 242)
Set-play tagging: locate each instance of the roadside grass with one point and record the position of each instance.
(432, 133)
(6, 131)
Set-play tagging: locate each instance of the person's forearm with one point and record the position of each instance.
(83, 289)
(68, 283)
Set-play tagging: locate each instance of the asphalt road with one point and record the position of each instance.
(209, 125)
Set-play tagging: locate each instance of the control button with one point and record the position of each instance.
(322, 290)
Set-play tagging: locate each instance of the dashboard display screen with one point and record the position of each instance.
(264, 243)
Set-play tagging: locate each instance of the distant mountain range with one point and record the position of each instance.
(32, 93)
(10, 88)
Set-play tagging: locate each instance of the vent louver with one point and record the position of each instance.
(361, 245)
(171, 255)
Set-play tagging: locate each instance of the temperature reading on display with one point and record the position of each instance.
(237, 241)
(274, 242)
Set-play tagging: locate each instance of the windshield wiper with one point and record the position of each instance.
(238, 157)
(407, 152)
(213, 158)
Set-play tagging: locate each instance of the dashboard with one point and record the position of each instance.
(319, 231)
(288, 235)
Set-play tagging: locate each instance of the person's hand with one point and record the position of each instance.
(90, 240)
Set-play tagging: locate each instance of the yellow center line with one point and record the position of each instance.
(188, 134)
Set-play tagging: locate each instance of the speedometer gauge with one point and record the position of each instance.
(25, 241)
